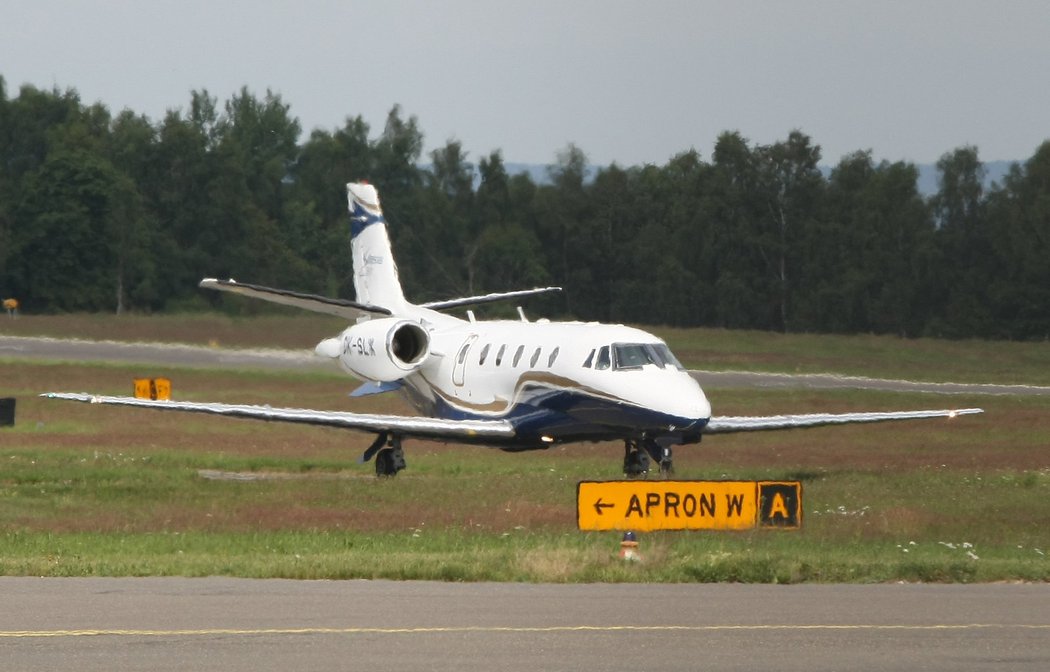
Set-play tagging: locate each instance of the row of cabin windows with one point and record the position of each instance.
(627, 356)
(517, 356)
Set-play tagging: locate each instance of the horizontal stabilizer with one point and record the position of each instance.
(729, 424)
(350, 310)
(476, 431)
(489, 298)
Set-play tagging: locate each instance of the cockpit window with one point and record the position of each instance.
(484, 354)
(629, 356)
(603, 358)
(664, 353)
(632, 356)
(590, 358)
(554, 356)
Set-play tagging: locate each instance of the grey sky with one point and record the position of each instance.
(631, 82)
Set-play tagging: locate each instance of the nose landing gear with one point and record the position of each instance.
(637, 454)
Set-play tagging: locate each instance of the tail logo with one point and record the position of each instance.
(361, 219)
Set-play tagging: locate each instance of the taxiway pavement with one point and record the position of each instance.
(230, 625)
(199, 356)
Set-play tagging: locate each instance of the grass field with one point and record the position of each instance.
(88, 490)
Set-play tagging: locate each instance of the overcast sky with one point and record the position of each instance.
(631, 82)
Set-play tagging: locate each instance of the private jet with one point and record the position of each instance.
(512, 384)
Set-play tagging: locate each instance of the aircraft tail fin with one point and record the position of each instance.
(375, 273)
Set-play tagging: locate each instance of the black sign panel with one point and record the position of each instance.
(780, 504)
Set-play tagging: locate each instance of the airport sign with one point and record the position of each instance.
(688, 505)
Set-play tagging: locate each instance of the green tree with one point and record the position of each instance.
(66, 256)
(1020, 235)
(741, 272)
(559, 210)
(790, 185)
(965, 265)
(316, 206)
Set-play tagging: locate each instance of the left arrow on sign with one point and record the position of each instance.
(599, 505)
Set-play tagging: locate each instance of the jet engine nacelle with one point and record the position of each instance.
(384, 350)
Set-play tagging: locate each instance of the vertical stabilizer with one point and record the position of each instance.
(375, 274)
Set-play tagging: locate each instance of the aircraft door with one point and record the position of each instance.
(459, 369)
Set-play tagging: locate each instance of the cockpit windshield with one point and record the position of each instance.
(627, 356)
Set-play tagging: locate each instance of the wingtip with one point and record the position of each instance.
(215, 282)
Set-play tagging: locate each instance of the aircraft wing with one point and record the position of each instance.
(350, 310)
(478, 431)
(730, 424)
(488, 298)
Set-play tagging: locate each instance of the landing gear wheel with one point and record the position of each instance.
(390, 460)
(635, 460)
(666, 464)
(660, 454)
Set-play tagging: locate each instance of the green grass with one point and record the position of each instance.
(911, 504)
(932, 360)
(768, 557)
(88, 490)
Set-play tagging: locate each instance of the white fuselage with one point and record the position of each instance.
(553, 380)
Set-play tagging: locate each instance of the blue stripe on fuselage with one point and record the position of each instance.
(570, 414)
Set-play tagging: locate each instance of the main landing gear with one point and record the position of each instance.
(390, 459)
(636, 458)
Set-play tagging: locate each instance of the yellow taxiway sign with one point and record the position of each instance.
(688, 505)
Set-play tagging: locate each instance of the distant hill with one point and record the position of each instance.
(995, 171)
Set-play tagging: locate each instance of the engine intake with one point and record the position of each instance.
(384, 350)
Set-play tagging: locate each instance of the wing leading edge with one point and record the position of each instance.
(729, 424)
(478, 431)
(488, 298)
(350, 310)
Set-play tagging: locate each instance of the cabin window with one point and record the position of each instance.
(517, 355)
(603, 358)
(590, 358)
(554, 356)
(484, 354)
(535, 358)
(499, 354)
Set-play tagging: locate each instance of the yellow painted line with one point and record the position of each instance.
(206, 632)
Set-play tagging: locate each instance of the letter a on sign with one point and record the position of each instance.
(780, 504)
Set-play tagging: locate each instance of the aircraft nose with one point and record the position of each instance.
(687, 400)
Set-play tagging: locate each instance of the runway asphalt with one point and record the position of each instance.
(240, 624)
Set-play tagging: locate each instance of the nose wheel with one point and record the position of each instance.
(639, 454)
(635, 460)
(666, 463)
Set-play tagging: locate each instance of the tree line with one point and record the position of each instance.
(120, 213)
